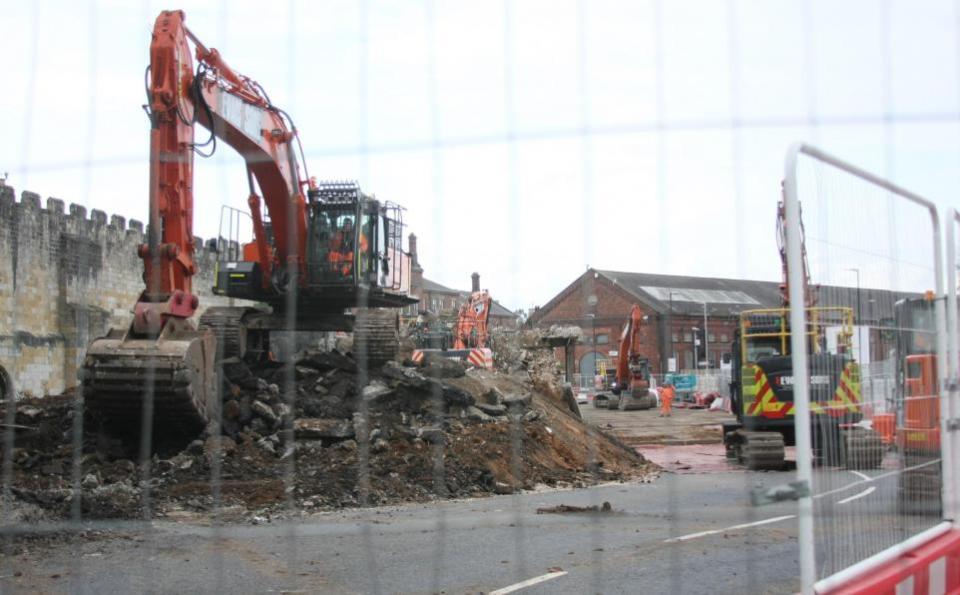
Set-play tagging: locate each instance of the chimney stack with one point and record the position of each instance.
(476, 282)
(414, 258)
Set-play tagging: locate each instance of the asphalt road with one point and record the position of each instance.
(684, 533)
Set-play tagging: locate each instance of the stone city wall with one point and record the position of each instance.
(66, 277)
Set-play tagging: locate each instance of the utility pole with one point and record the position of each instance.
(670, 355)
(592, 302)
(696, 342)
(706, 337)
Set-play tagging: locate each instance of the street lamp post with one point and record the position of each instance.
(670, 355)
(696, 340)
(706, 338)
(592, 302)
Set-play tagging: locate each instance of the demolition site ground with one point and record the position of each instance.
(407, 434)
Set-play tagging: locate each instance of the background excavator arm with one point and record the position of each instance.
(629, 346)
(471, 328)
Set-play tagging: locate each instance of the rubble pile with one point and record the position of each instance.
(529, 351)
(342, 438)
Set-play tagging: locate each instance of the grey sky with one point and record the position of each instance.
(420, 101)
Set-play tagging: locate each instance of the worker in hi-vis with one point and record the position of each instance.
(667, 394)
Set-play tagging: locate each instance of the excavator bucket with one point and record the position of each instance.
(172, 373)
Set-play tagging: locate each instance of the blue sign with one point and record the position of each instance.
(682, 382)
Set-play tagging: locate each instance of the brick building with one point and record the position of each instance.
(444, 302)
(674, 308)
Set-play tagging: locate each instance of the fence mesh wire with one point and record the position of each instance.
(875, 370)
(526, 141)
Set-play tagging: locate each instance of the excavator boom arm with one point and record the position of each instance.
(471, 327)
(629, 345)
(809, 291)
(162, 367)
(236, 111)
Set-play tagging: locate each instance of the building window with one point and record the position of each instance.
(713, 338)
(687, 337)
(675, 338)
(603, 339)
(724, 338)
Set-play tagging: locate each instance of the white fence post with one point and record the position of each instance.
(801, 395)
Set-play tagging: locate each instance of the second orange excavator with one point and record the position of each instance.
(632, 389)
(469, 339)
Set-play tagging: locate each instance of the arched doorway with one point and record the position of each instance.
(588, 364)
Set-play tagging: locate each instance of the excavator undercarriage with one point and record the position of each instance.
(175, 372)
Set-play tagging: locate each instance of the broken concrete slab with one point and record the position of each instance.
(493, 410)
(321, 428)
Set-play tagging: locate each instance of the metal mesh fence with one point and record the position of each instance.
(874, 265)
(524, 139)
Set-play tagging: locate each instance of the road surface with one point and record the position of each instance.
(692, 531)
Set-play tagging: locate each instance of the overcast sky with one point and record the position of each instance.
(527, 139)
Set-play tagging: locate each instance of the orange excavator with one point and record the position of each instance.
(319, 250)
(915, 411)
(631, 390)
(470, 338)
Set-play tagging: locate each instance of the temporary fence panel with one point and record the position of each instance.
(949, 418)
(527, 139)
(865, 283)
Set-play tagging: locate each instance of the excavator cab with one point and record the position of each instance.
(345, 236)
(354, 240)
(354, 256)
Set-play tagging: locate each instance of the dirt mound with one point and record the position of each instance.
(340, 437)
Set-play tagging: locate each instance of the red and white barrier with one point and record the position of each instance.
(926, 564)
(481, 358)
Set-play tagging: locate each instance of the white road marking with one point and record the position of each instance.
(875, 478)
(732, 528)
(865, 492)
(866, 478)
(529, 582)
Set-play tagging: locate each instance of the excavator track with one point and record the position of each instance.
(638, 398)
(226, 323)
(919, 486)
(173, 373)
(376, 337)
(759, 451)
(861, 448)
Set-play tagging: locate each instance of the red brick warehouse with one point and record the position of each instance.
(673, 306)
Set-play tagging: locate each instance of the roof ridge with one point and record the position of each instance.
(608, 272)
